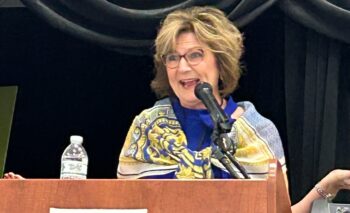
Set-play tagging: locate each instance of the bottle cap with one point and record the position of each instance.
(76, 139)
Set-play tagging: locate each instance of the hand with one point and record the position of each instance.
(336, 180)
(12, 175)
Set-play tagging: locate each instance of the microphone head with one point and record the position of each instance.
(202, 87)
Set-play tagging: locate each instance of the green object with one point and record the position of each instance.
(7, 107)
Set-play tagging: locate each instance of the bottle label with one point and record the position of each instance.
(71, 169)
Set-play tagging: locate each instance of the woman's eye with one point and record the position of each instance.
(172, 57)
(196, 54)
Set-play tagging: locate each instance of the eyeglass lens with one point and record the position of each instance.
(192, 57)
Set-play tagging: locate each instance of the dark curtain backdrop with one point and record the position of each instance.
(67, 86)
(296, 64)
(317, 38)
(130, 26)
(329, 17)
(317, 91)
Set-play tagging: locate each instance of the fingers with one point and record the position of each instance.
(336, 180)
(12, 175)
(343, 178)
(9, 175)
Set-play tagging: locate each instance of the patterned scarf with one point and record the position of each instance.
(157, 145)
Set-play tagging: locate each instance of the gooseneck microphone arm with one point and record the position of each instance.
(221, 135)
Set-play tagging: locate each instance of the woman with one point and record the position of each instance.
(172, 139)
(196, 45)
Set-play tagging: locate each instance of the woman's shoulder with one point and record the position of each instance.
(254, 119)
(159, 104)
(162, 102)
(257, 127)
(161, 108)
(248, 111)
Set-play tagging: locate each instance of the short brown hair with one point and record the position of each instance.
(212, 28)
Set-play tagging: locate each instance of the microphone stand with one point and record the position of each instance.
(226, 148)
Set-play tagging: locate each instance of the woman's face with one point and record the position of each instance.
(184, 77)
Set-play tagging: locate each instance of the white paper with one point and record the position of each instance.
(57, 210)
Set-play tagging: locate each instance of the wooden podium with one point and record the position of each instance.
(165, 196)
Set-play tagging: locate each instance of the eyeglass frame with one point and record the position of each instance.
(183, 56)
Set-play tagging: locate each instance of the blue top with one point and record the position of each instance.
(198, 127)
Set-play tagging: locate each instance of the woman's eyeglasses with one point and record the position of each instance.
(192, 57)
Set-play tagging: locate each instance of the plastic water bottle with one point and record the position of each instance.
(74, 160)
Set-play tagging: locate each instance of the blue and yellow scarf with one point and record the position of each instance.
(168, 141)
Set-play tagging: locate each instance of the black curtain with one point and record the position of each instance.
(130, 26)
(329, 17)
(316, 91)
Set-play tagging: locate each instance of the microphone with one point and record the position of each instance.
(222, 130)
(204, 92)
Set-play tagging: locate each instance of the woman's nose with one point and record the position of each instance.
(183, 65)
